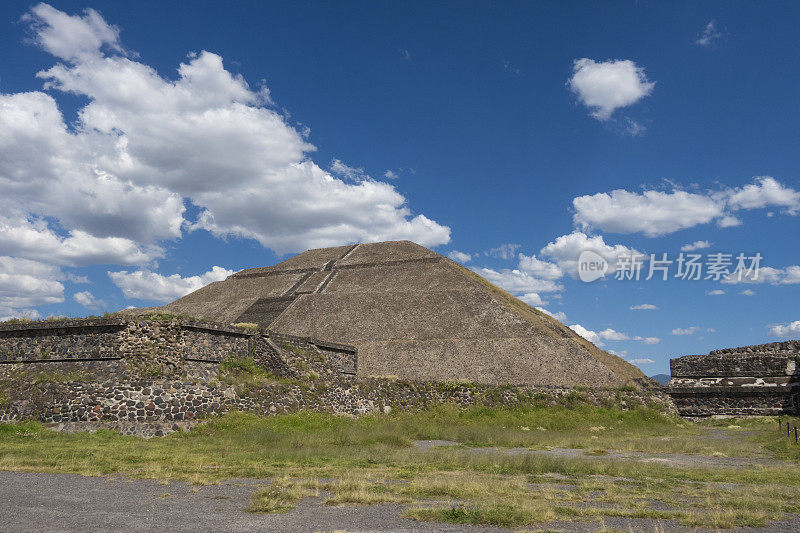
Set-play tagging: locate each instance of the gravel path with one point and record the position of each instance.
(65, 502)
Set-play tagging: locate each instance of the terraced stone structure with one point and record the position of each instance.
(750, 380)
(412, 314)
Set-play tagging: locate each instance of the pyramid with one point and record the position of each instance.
(412, 314)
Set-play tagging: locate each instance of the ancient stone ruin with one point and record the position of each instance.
(751, 380)
(352, 329)
(412, 314)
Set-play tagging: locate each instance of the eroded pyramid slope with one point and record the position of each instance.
(411, 313)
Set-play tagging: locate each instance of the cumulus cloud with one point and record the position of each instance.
(774, 276)
(641, 361)
(606, 86)
(748, 292)
(715, 292)
(696, 245)
(504, 251)
(587, 334)
(765, 191)
(34, 239)
(145, 145)
(147, 285)
(655, 213)
(643, 307)
(87, 299)
(26, 283)
(686, 331)
(534, 266)
(566, 249)
(532, 299)
(459, 257)
(71, 37)
(710, 35)
(517, 282)
(786, 330)
(7, 313)
(561, 316)
(613, 335)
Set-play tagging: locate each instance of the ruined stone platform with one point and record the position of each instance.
(750, 380)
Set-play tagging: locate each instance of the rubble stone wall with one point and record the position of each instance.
(749, 380)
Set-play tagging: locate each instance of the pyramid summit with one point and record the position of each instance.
(412, 314)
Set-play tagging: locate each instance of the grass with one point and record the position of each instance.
(245, 374)
(370, 460)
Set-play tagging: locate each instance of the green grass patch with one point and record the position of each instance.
(372, 459)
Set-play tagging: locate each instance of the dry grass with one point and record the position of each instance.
(370, 460)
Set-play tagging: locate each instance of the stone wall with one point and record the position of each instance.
(749, 380)
(85, 339)
(153, 407)
(128, 348)
(149, 377)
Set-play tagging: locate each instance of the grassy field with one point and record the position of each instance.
(498, 472)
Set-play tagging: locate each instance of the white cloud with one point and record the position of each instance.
(517, 282)
(561, 316)
(504, 251)
(87, 299)
(641, 361)
(78, 280)
(33, 239)
(729, 221)
(147, 285)
(613, 335)
(26, 283)
(459, 257)
(774, 276)
(539, 268)
(696, 245)
(643, 307)
(715, 292)
(710, 35)
(748, 292)
(71, 37)
(391, 175)
(655, 213)
(587, 334)
(606, 86)
(686, 331)
(144, 145)
(786, 330)
(532, 299)
(7, 313)
(566, 249)
(765, 191)
(348, 172)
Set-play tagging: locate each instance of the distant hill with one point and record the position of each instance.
(661, 378)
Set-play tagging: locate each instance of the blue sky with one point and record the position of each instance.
(488, 129)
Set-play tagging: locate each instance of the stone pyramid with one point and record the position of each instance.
(412, 314)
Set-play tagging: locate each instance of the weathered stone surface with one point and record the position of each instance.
(749, 380)
(153, 407)
(412, 314)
